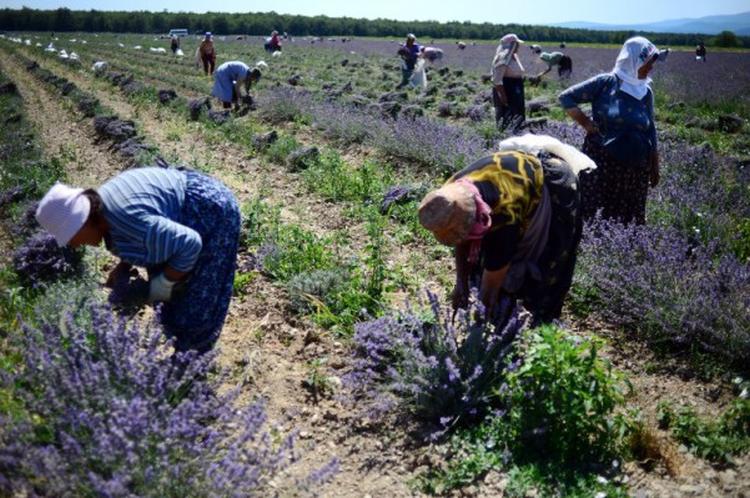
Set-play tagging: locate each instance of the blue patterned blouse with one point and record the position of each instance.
(614, 112)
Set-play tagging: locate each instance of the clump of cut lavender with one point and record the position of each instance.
(442, 371)
(112, 411)
(40, 260)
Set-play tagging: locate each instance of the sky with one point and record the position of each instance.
(494, 11)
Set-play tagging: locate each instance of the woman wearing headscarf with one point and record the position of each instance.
(409, 53)
(514, 220)
(620, 134)
(229, 79)
(507, 79)
(182, 226)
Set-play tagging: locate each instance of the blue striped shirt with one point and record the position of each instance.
(142, 207)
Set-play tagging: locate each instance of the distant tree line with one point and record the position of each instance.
(261, 23)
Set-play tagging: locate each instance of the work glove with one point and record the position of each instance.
(160, 288)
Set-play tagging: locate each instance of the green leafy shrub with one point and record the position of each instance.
(561, 400)
(716, 439)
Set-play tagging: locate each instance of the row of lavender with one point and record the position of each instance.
(96, 404)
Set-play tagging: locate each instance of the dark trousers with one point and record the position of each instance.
(209, 63)
(514, 113)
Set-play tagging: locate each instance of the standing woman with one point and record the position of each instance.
(620, 134)
(409, 53)
(182, 226)
(514, 220)
(206, 54)
(507, 80)
(229, 79)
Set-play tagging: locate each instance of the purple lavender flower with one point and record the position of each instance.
(40, 260)
(441, 371)
(122, 415)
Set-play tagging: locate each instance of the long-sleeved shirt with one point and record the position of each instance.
(142, 207)
(614, 111)
(511, 184)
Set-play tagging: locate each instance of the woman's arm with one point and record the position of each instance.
(586, 91)
(492, 282)
(461, 290)
(582, 119)
(171, 243)
(654, 159)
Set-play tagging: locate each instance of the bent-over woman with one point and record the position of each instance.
(514, 220)
(229, 79)
(182, 226)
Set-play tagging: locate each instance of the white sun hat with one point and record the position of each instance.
(63, 211)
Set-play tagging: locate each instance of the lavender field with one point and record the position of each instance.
(341, 370)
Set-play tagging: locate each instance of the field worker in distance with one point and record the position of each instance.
(206, 54)
(514, 220)
(620, 135)
(563, 62)
(273, 44)
(230, 78)
(182, 226)
(409, 53)
(507, 79)
(431, 54)
(700, 52)
(174, 43)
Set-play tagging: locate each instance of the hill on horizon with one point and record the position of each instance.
(710, 25)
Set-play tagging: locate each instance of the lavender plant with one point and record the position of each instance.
(112, 412)
(40, 260)
(443, 372)
(676, 293)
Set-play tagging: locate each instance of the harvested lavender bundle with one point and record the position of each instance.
(40, 260)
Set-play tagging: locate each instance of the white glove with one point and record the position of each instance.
(160, 288)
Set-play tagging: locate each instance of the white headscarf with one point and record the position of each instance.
(507, 51)
(636, 52)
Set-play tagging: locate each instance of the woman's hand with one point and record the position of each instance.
(500, 91)
(121, 271)
(584, 121)
(459, 297)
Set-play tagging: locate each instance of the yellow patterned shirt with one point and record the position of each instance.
(511, 183)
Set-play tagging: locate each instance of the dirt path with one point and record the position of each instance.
(64, 134)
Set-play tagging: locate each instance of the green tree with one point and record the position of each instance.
(726, 39)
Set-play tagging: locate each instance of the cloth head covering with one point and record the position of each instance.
(63, 211)
(449, 212)
(208, 34)
(411, 36)
(636, 52)
(506, 50)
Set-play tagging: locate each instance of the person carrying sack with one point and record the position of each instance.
(514, 219)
